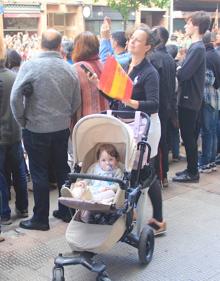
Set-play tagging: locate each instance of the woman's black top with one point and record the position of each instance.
(145, 87)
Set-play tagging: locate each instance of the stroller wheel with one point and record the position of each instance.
(103, 277)
(146, 245)
(58, 273)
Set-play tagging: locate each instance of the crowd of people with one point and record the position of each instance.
(44, 92)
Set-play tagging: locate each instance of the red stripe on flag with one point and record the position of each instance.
(107, 76)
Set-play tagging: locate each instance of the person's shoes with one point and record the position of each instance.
(165, 182)
(181, 172)
(159, 228)
(66, 218)
(217, 159)
(66, 192)
(213, 166)
(34, 225)
(186, 177)
(2, 238)
(178, 158)
(21, 213)
(175, 159)
(6, 221)
(205, 169)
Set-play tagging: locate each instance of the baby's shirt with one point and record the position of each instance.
(96, 185)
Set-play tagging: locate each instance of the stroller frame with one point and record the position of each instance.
(144, 242)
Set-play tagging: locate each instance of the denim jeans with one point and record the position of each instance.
(209, 134)
(13, 155)
(40, 148)
(218, 131)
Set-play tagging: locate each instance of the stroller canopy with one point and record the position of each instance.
(100, 128)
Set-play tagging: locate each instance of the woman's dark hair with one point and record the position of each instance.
(13, 59)
(86, 45)
(110, 149)
(67, 48)
(209, 37)
(160, 34)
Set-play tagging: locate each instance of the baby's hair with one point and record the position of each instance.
(110, 149)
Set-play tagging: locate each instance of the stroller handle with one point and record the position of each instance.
(73, 176)
(130, 114)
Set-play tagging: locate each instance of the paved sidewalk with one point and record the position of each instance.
(189, 252)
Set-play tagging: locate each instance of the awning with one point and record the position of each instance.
(36, 15)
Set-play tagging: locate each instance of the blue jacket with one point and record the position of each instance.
(106, 50)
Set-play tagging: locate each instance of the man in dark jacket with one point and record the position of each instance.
(166, 68)
(191, 78)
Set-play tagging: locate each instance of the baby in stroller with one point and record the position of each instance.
(107, 165)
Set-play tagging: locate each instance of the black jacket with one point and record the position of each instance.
(145, 87)
(166, 68)
(191, 77)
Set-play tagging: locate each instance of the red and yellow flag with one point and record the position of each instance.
(114, 81)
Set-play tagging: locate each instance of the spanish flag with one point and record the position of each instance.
(114, 81)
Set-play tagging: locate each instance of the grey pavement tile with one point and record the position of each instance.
(189, 252)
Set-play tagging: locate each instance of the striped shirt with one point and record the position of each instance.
(211, 95)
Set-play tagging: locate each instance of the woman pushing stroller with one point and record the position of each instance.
(145, 98)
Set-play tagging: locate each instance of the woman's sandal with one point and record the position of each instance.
(159, 228)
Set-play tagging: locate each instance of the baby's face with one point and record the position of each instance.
(107, 162)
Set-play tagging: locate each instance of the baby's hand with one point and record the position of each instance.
(105, 189)
(80, 184)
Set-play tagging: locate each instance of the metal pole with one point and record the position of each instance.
(2, 52)
(171, 17)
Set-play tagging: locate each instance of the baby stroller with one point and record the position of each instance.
(85, 239)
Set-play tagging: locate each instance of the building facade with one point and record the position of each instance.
(182, 8)
(71, 17)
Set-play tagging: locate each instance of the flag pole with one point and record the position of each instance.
(2, 47)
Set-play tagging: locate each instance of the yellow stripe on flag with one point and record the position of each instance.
(119, 84)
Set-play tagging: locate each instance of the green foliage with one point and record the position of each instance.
(124, 7)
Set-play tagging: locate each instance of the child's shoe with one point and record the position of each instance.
(66, 192)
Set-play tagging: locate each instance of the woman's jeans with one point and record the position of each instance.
(13, 156)
(209, 134)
